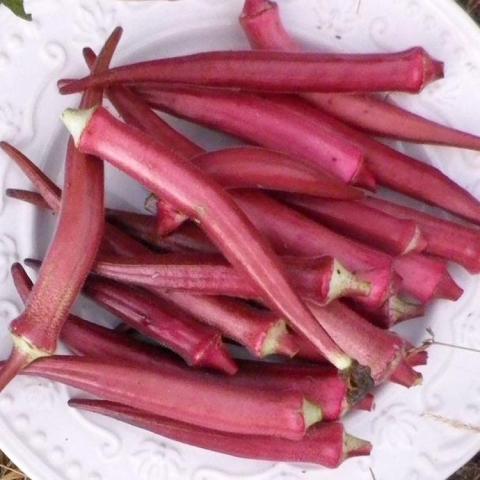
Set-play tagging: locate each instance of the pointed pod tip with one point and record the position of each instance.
(76, 120)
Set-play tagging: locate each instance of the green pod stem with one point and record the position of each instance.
(292, 233)
(36, 331)
(407, 71)
(373, 227)
(263, 26)
(326, 444)
(182, 184)
(185, 396)
(294, 135)
(445, 239)
(320, 278)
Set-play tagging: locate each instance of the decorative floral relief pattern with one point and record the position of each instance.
(112, 444)
(11, 119)
(94, 22)
(8, 255)
(361, 24)
(153, 460)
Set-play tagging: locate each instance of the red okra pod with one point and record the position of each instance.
(234, 167)
(445, 239)
(198, 345)
(381, 230)
(184, 395)
(262, 332)
(93, 340)
(395, 310)
(292, 233)
(408, 71)
(255, 167)
(35, 332)
(324, 386)
(134, 112)
(263, 122)
(159, 319)
(380, 350)
(326, 444)
(262, 23)
(393, 169)
(182, 184)
(320, 278)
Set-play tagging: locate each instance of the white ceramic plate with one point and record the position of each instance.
(422, 434)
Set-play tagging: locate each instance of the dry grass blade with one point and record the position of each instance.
(8, 471)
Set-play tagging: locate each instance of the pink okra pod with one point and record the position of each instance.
(263, 334)
(265, 123)
(263, 26)
(321, 278)
(326, 444)
(354, 219)
(198, 345)
(292, 233)
(255, 167)
(393, 169)
(395, 310)
(133, 110)
(171, 318)
(323, 385)
(182, 184)
(184, 395)
(445, 239)
(187, 237)
(407, 71)
(36, 331)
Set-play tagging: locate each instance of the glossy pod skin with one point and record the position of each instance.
(260, 121)
(183, 185)
(354, 219)
(263, 26)
(445, 239)
(292, 233)
(185, 396)
(285, 72)
(393, 169)
(326, 444)
(36, 331)
(320, 278)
